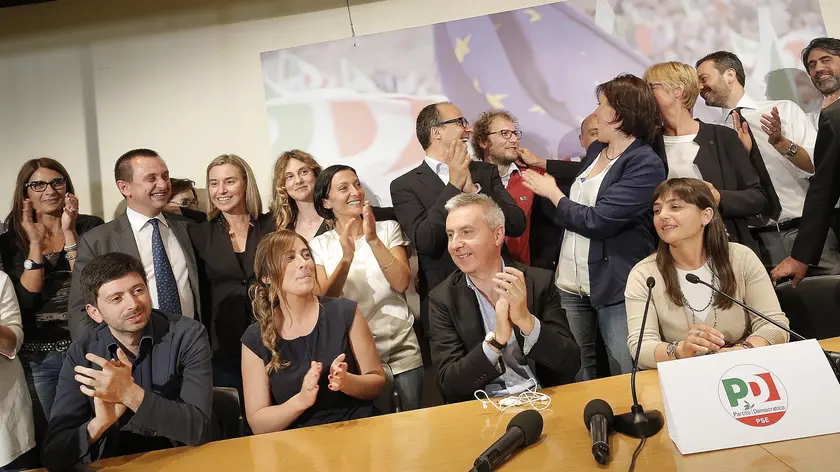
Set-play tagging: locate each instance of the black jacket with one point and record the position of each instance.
(419, 197)
(226, 307)
(723, 162)
(823, 191)
(457, 332)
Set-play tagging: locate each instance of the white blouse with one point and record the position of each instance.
(17, 430)
(573, 266)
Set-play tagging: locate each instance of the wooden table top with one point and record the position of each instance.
(450, 437)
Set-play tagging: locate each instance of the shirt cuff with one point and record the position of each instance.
(492, 355)
(477, 188)
(532, 338)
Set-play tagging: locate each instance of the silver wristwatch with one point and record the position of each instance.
(671, 349)
(792, 149)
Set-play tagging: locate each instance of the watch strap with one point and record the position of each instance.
(496, 344)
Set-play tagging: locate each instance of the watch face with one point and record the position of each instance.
(27, 264)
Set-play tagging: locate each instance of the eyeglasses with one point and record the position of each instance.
(506, 133)
(460, 121)
(39, 185)
(185, 202)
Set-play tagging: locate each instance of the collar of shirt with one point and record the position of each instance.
(138, 221)
(513, 168)
(146, 341)
(744, 102)
(471, 285)
(440, 169)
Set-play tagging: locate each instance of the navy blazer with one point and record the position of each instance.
(620, 225)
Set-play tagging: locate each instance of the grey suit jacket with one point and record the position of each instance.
(117, 236)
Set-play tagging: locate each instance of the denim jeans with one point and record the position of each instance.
(41, 370)
(585, 320)
(409, 385)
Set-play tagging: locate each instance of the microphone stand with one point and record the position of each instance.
(639, 423)
(833, 357)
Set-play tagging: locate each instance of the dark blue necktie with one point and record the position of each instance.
(167, 288)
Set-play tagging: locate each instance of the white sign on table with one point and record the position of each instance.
(751, 396)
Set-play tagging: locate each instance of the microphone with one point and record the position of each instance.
(522, 431)
(833, 357)
(638, 423)
(598, 418)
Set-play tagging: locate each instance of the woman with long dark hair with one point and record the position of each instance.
(686, 319)
(38, 252)
(309, 359)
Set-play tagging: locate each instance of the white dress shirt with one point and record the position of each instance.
(511, 170)
(143, 236)
(573, 267)
(17, 430)
(681, 151)
(442, 171)
(789, 181)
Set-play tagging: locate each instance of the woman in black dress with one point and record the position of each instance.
(308, 360)
(38, 252)
(225, 245)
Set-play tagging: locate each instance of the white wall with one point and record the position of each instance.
(86, 80)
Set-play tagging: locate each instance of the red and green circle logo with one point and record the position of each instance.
(753, 395)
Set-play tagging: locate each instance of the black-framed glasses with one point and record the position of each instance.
(185, 202)
(39, 186)
(460, 121)
(506, 133)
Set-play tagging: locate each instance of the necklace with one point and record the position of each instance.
(693, 310)
(612, 158)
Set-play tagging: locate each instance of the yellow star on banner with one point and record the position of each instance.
(462, 47)
(495, 101)
(534, 14)
(476, 86)
(537, 109)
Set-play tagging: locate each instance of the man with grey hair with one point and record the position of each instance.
(495, 326)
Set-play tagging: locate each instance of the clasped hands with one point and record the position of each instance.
(512, 304)
(458, 160)
(113, 390)
(703, 339)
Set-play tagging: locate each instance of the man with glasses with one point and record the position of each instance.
(184, 200)
(495, 139)
(419, 195)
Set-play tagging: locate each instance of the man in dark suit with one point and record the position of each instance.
(494, 326)
(419, 195)
(160, 241)
(822, 60)
(138, 382)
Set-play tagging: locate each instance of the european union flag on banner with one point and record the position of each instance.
(541, 63)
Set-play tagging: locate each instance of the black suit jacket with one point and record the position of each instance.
(723, 161)
(226, 307)
(419, 197)
(117, 236)
(823, 191)
(456, 334)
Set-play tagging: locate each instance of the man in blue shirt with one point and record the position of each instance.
(139, 382)
(495, 326)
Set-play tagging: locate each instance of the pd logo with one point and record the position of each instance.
(753, 395)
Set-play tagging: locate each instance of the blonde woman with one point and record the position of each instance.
(225, 247)
(308, 360)
(292, 202)
(708, 152)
